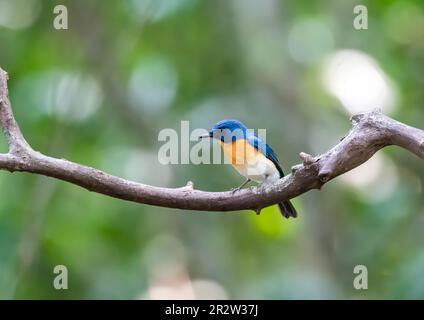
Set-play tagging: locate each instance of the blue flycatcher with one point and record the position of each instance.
(250, 156)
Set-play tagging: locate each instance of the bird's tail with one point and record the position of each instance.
(287, 209)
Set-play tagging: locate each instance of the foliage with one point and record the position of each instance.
(100, 92)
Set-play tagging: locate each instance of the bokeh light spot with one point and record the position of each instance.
(357, 80)
(153, 85)
(375, 180)
(19, 14)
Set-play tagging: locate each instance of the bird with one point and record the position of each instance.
(251, 156)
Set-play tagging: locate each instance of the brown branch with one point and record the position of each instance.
(370, 132)
(8, 123)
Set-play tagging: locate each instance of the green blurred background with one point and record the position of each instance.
(100, 92)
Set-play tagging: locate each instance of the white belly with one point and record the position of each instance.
(260, 170)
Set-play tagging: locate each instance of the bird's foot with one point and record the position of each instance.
(241, 186)
(234, 190)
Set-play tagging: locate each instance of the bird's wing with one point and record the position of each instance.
(265, 149)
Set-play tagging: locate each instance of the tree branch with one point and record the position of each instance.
(8, 123)
(370, 132)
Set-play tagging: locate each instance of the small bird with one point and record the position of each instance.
(250, 156)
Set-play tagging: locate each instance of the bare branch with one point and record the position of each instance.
(11, 129)
(370, 132)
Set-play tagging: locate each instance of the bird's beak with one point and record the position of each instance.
(209, 135)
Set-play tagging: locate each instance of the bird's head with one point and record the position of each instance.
(227, 130)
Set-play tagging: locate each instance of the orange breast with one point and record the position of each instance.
(239, 152)
(248, 161)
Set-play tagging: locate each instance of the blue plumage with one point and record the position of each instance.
(240, 131)
(231, 125)
(230, 130)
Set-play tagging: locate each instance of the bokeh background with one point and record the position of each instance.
(100, 92)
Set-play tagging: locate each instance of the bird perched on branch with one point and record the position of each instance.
(252, 157)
